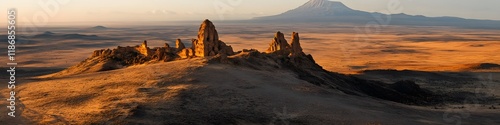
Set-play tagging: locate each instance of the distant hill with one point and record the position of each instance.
(51, 35)
(99, 28)
(332, 11)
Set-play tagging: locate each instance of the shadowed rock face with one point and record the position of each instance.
(296, 48)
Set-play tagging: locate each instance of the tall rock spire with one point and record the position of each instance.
(296, 48)
(208, 43)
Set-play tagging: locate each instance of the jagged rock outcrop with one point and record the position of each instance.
(143, 49)
(110, 59)
(164, 54)
(126, 56)
(179, 45)
(186, 53)
(182, 51)
(279, 45)
(208, 43)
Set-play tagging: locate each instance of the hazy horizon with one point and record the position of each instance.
(93, 11)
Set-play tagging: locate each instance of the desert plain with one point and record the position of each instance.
(338, 48)
(460, 61)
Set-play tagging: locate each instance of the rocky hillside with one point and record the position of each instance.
(207, 44)
(281, 55)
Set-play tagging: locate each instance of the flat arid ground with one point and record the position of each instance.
(463, 63)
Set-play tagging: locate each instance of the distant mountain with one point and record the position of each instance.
(99, 28)
(319, 10)
(45, 34)
(51, 35)
(332, 11)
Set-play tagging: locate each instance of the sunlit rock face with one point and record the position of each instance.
(208, 43)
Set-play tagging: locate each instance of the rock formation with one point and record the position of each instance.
(280, 55)
(143, 49)
(182, 51)
(279, 45)
(179, 45)
(186, 53)
(110, 59)
(296, 48)
(208, 43)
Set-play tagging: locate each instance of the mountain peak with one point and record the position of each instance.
(325, 4)
(316, 8)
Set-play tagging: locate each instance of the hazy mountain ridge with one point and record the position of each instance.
(332, 11)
